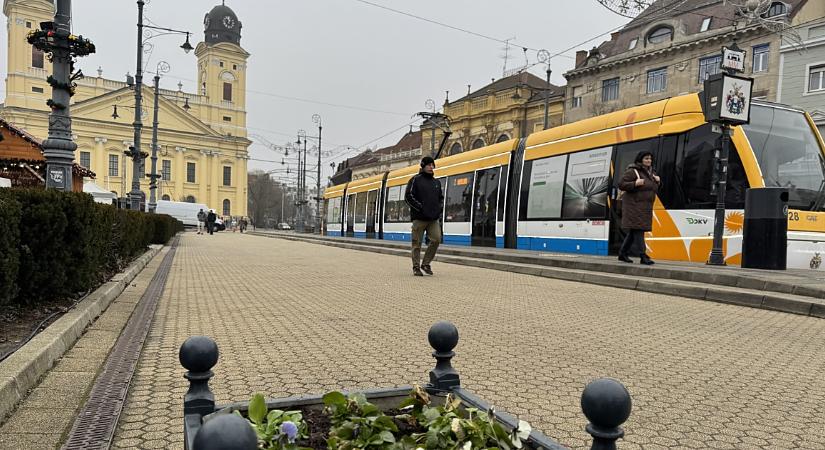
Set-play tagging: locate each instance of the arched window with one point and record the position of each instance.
(776, 9)
(503, 138)
(659, 35)
(165, 197)
(190, 199)
(226, 209)
(455, 148)
(478, 143)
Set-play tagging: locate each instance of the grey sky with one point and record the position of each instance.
(346, 52)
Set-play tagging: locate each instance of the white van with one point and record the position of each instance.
(183, 211)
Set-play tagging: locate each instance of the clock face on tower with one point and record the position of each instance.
(228, 22)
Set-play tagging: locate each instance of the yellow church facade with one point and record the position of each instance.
(202, 137)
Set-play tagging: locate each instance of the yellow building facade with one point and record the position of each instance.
(508, 108)
(202, 136)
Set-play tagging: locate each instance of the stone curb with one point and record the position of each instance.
(22, 370)
(682, 287)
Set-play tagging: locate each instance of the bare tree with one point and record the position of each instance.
(265, 196)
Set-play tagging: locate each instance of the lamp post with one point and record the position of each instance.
(316, 118)
(135, 194)
(727, 100)
(544, 56)
(163, 67)
(56, 38)
(301, 178)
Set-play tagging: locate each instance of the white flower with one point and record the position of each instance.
(467, 446)
(520, 433)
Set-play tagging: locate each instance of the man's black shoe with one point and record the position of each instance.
(426, 269)
(624, 258)
(417, 272)
(646, 261)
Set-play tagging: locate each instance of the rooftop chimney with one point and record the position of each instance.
(581, 56)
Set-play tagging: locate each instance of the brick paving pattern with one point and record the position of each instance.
(295, 318)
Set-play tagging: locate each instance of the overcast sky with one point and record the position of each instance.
(379, 66)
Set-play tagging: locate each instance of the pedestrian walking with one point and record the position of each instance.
(639, 185)
(210, 221)
(201, 220)
(243, 224)
(424, 196)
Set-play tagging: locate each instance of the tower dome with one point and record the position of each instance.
(221, 24)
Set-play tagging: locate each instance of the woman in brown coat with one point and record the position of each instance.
(640, 185)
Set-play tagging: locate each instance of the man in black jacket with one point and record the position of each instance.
(426, 202)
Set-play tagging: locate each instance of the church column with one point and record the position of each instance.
(216, 179)
(100, 163)
(178, 174)
(203, 180)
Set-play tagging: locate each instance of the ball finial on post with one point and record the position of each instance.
(198, 354)
(606, 403)
(443, 337)
(228, 432)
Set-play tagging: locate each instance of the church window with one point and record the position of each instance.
(113, 165)
(190, 172)
(86, 160)
(227, 119)
(227, 92)
(37, 58)
(221, 63)
(28, 24)
(227, 176)
(226, 207)
(166, 197)
(36, 89)
(234, 67)
(166, 171)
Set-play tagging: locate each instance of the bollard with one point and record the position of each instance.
(228, 432)
(198, 355)
(606, 403)
(443, 337)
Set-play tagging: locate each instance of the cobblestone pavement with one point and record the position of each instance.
(296, 318)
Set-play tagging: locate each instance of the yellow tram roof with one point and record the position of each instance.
(489, 156)
(365, 184)
(673, 115)
(335, 191)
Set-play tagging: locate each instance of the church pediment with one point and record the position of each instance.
(170, 115)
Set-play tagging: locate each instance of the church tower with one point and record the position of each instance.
(27, 67)
(222, 70)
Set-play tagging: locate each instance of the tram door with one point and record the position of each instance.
(372, 203)
(623, 156)
(485, 207)
(350, 215)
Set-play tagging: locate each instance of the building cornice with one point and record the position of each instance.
(610, 64)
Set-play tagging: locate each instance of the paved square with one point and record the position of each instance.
(296, 318)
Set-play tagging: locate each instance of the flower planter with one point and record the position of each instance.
(605, 402)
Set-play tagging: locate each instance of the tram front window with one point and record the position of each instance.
(788, 153)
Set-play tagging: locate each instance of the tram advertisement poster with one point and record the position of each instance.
(546, 188)
(585, 193)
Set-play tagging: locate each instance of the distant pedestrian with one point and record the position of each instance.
(640, 185)
(210, 221)
(243, 224)
(424, 196)
(201, 220)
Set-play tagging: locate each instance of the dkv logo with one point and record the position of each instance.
(692, 221)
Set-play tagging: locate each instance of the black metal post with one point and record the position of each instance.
(135, 194)
(547, 100)
(443, 337)
(606, 403)
(304, 187)
(198, 355)
(318, 183)
(59, 148)
(153, 176)
(717, 257)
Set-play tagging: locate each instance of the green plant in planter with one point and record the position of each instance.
(358, 424)
(450, 427)
(276, 429)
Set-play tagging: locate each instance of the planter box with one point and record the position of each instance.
(605, 402)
